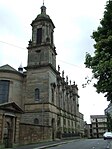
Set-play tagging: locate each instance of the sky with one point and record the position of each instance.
(74, 21)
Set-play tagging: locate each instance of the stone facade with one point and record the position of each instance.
(47, 103)
(32, 133)
(16, 83)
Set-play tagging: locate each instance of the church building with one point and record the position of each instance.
(39, 103)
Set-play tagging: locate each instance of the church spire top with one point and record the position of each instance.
(43, 9)
(43, 2)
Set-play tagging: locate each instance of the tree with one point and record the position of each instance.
(101, 62)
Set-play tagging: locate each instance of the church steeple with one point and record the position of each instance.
(41, 46)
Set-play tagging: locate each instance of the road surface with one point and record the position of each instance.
(85, 144)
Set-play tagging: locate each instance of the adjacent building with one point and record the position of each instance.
(38, 103)
(98, 125)
(109, 109)
(87, 130)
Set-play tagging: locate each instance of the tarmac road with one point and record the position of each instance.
(85, 144)
(71, 144)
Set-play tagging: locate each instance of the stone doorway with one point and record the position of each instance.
(10, 119)
(8, 132)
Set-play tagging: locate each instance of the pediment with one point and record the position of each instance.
(8, 68)
(11, 106)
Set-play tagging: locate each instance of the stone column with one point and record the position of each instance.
(1, 128)
(17, 121)
(13, 128)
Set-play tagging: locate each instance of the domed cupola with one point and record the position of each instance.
(43, 14)
(42, 28)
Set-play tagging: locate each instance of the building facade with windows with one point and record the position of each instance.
(38, 103)
(108, 110)
(99, 125)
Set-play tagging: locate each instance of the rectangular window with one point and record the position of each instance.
(64, 121)
(52, 37)
(52, 95)
(4, 91)
(39, 35)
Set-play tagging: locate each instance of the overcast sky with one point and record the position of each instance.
(74, 21)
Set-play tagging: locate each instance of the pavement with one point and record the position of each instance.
(110, 145)
(44, 145)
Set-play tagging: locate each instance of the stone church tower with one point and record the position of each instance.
(49, 99)
(40, 97)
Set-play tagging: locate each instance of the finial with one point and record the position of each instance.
(58, 68)
(63, 74)
(20, 69)
(43, 9)
(67, 79)
(70, 82)
(43, 2)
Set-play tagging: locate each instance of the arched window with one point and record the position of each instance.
(36, 121)
(37, 94)
(53, 86)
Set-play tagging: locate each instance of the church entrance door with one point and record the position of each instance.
(8, 133)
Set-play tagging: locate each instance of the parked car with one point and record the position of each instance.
(107, 135)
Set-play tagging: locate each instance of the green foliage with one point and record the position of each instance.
(101, 62)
